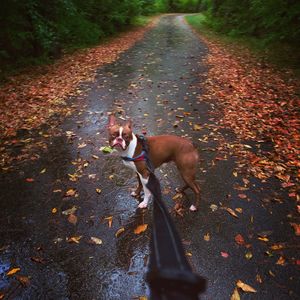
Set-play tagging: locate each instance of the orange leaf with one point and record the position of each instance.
(13, 271)
(140, 228)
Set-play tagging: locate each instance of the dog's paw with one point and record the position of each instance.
(143, 204)
(193, 208)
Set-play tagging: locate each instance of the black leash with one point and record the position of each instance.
(170, 275)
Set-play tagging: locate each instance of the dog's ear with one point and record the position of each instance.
(129, 124)
(111, 120)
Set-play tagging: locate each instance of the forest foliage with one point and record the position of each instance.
(35, 31)
(269, 20)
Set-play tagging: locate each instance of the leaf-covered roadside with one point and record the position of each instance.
(30, 99)
(261, 106)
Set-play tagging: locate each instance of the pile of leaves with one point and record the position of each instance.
(43, 96)
(260, 105)
(30, 99)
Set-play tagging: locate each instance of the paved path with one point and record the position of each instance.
(151, 82)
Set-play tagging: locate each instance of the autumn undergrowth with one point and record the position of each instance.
(279, 54)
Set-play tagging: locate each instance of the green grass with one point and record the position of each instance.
(140, 21)
(279, 54)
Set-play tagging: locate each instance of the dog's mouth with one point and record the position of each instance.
(119, 144)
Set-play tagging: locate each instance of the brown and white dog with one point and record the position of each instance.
(162, 149)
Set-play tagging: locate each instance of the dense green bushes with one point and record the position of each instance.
(36, 30)
(270, 20)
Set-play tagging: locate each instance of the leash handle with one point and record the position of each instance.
(170, 275)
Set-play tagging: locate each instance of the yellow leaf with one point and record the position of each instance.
(188, 254)
(54, 210)
(111, 177)
(140, 228)
(74, 239)
(70, 192)
(206, 237)
(43, 171)
(235, 174)
(98, 191)
(263, 238)
(197, 127)
(248, 255)
(277, 247)
(245, 287)
(119, 231)
(13, 271)
(177, 196)
(235, 295)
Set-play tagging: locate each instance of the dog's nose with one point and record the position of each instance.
(119, 140)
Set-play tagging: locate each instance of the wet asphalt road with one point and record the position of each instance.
(148, 83)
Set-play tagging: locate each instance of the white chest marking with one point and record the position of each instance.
(129, 152)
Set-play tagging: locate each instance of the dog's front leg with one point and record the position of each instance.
(138, 190)
(144, 177)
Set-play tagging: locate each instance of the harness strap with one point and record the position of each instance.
(144, 154)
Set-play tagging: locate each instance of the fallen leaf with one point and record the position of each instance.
(264, 239)
(239, 239)
(248, 255)
(280, 261)
(213, 207)
(188, 254)
(70, 193)
(119, 231)
(245, 287)
(224, 254)
(69, 211)
(235, 295)
(177, 196)
(242, 196)
(206, 237)
(29, 179)
(74, 239)
(37, 259)
(110, 220)
(197, 127)
(82, 145)
(54, 210)
(43, 171)
(96, 240)
(95, 156)
(141, 228)
(106, 149)
(231, 211)
(13, 271)
(98, 191)
(24, 280)
(111, 177)
(277, 247)
(296, 228)
(258, 278)
(72, 219)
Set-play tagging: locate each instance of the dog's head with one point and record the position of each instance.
(120, 136)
